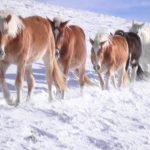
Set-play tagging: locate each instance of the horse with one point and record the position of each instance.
(70, 48)
(135, 51)
(109, 54)
(143, 30)
(22, 42)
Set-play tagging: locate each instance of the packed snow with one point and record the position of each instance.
(117, 119)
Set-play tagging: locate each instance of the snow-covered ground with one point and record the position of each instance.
(105, 120)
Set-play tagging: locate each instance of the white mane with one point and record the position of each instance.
(14, 26)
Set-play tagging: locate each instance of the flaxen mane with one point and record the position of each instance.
(14, 26)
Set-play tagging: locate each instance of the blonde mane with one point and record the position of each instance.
(14, 26)
(57, 21)
(102, 37)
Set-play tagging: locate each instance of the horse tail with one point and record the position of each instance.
(88, 81)
(128, 62)
(140, 73)
(58, 76)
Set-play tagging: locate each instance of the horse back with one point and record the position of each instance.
(135, 45)
(37, 37)
(78, 41)
(118, 49)
(38, 29)
(77, 31)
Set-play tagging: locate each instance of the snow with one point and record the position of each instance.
(105, 120)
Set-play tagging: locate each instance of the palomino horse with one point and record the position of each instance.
(135, 51)
(143, 30)
(70, 48)
(22, 42)
(109, 54)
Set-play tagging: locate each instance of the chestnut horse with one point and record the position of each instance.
(109, 54)
(70, 48)
(135, 51)
(22, 42)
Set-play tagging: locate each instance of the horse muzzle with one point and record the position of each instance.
(96, 67)
(57, 53)
(2, 54)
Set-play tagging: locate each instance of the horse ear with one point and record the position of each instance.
(63, 24)
(8, 18)
(50, 21)
(91, 41)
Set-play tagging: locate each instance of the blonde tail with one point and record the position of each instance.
(86, 79)
(89, 82)
(58, 76)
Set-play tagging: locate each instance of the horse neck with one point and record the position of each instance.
(107, 53)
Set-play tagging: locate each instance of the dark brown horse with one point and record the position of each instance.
(135, 51)
(22, 42)
(109, 54)
(70, 48)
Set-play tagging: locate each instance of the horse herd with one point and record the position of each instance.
(62, 47)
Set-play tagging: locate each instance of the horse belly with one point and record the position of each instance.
(35, 55)
(75, 64)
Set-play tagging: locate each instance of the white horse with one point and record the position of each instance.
(143, 30)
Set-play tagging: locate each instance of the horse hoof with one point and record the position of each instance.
(28, 99)
(11, 101)
(50, 98)
(16, 103)
(13, 104)
(60, 96)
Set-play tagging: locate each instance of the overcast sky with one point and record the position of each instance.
(129, 9)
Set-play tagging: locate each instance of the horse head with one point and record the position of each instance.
(58, 27)
(10, 26)
(136, 26)
(99, 45)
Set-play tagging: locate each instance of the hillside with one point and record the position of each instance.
(104, 120)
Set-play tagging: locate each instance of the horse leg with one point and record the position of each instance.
(30, 81)
(49, 67)
(101, 81)
(107, 78)
(19, 81)
(7, 96)
(111, 74)
(81, 78)
(134, 72)
(65, 71)
(122, 74)
(113, 80)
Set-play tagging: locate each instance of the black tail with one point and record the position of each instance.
(140, 73)
(128, 61)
